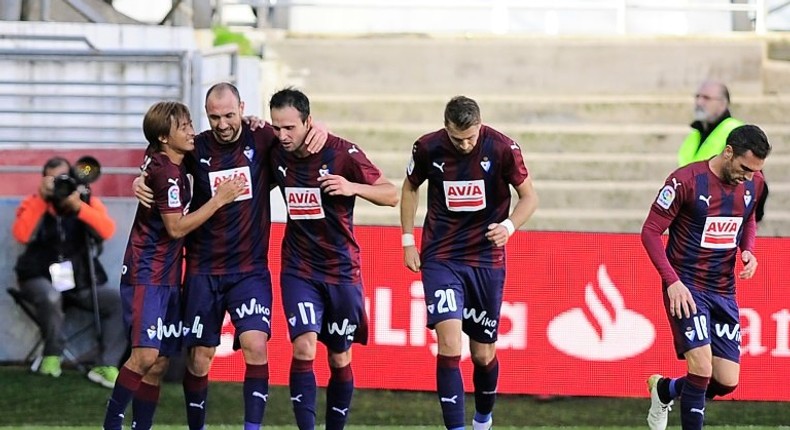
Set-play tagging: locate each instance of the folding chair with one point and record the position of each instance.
(34, 356)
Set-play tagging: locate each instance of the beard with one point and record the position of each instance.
(700, 114)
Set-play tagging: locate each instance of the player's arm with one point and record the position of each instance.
(662, 213)
(316, 137)
(179, 225)
(527, 203)
(747, 246)
(143, 193)
(382, 192)
(409, 201)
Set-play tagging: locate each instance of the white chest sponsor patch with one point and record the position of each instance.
(215, 178)
(304, 203)
(465, 196)
(720, 232)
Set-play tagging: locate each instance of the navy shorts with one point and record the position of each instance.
(247, 297)
(335, 312)
(470, 294)
(152, 317)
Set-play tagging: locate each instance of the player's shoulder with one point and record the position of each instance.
(687, 173)
(499, 140)
(337, 143)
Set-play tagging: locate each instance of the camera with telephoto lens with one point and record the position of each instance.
(85, 171)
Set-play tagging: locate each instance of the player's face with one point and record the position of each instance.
(463, 140)
(224, 113)
(738, 169)
(289, 128)
(182, 135)
(709, 103)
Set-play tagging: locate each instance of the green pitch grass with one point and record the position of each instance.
(29, 401)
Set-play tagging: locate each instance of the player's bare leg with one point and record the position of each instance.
(256, 377)
(485, 377)
(340, 390)
(449, 383)
(302, 382)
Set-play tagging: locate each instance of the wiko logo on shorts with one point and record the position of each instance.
(615, 334)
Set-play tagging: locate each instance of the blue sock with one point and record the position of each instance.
(122, 393)
(692, 402)
(450, 387)
(256, 394)
(338, 397)
(146, 398)
(676, 387)
(303, 393)
(485, 380)
(195, 397)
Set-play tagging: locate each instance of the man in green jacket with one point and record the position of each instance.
(712, 124)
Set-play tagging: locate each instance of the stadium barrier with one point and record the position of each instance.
(582, 316)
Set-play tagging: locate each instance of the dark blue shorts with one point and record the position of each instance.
(246, 297)
(152, 317)
(335, 312)
(717, 323)
(462, 292)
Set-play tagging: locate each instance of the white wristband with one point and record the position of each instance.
(508, 224)
(407, 240)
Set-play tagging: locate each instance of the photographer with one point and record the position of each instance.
(56, 226)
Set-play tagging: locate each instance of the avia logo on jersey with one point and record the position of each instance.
(162, 330)
(215, 178)
(465, 196)
(343, 329)
(616, 333)
(720, 232)
(304, 203)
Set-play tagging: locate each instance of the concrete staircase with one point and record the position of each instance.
(597, 151)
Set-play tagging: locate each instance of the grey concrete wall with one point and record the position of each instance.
(20, 334)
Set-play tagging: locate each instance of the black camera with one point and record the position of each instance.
(85, 171)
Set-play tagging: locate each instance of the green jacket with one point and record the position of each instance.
(693, 150)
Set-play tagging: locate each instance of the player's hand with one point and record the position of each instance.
(254, 122)
(141, 191)
(316, 137)
(680, 301)
(497, 234)
(336, 185)
(229, 189)
(749, 265)
(411, 258)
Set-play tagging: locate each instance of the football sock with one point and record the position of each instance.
(692, 402)
(485, 380)
(450, 387)
(256, 393)
(146, 398)
(125, 386)
(303, 393)
(338, 397)
(195, 396)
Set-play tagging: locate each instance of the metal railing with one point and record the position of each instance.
(621, 8)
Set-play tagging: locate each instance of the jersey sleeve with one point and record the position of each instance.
(514, 170)
(416, 171)
(163, 180)
(363, 171)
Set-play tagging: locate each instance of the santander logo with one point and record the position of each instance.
(610, 332)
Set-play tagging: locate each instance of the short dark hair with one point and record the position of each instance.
(291, 97)
(54, 163)
(159, 119)
(220, 87)
(749, 138)
(462, 112)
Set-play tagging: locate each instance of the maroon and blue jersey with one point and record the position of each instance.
(466, 193)
(236, 238)
(153, 257)
(319, 239)
(707, 220)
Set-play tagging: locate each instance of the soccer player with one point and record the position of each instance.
(227, 256)
(709, 208)
(469, 167)
(151, 275)
(320, 278)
